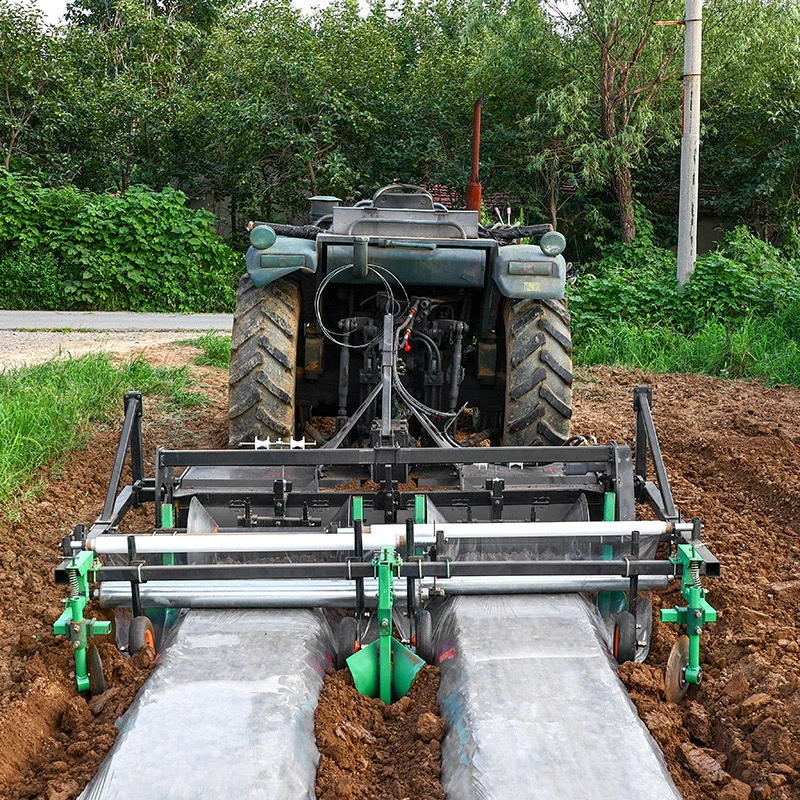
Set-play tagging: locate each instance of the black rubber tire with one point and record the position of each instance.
(94, 666)
(424, 635)
(624, 637)
(141, 634)
(263, 361)
(345, 641)
(538, 405)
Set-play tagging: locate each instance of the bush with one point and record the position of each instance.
(738, 317)
(139, 251)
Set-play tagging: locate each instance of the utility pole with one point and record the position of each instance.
(690, 142)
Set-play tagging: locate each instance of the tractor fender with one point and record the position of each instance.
(524, 271)
(286, 255)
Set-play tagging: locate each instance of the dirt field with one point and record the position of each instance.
(733, 453)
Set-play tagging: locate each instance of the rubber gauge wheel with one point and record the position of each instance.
(140, 635)
(425, 636)
(675, 684)
(94, 666)
(346, 635)
(624, 637)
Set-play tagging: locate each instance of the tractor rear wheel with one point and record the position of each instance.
(263, 361)
(538, 404)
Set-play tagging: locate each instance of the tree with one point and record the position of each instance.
(631, 61)
(26, 73)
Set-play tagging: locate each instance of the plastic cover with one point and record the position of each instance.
(534, 708)
(227, 713)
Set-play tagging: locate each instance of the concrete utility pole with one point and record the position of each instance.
(690, 142)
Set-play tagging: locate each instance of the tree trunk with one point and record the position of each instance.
(623, 188)
(622, 181)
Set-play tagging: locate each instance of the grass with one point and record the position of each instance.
(216, 349)
(757, 348)
(49, 409)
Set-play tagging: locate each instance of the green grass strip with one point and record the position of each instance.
(48, 409)
(216, 349)
(758, 348)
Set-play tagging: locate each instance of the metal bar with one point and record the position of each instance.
(311, 593)
(327, 447)
(387, 365)
(358, 536)
(641, 433)
(352, 570)
(133, 405)
(658, 458)
(376, 537)
(137, 448)
(388, 455)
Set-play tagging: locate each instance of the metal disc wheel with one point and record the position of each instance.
(424, 635)
(346, 637)
(263, 361)
(675, 682)
(140, 635)
(538, 405)
(625, 637)
(94, 666)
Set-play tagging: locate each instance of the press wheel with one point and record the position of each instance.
(424, 641)
(675, 684)
(141, 635)
(624, 637)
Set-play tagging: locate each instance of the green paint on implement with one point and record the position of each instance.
(168, 521)
(385, 668)
(609, 603)
(419, 509)
(358, 508)
(71, 623)
(696, 613)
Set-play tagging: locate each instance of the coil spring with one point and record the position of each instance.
(695, 568)
(74, 585)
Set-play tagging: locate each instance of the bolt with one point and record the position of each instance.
(698, 630)
(698, 613)
(384, 623)
(76, 645)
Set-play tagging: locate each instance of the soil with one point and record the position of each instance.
(51, 739)
(371, 751)
(732, 450)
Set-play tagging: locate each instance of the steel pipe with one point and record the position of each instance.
(375, 536)
(341, 593)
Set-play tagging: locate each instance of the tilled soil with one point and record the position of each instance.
(51, 739)
(371, 751)
(732, 450)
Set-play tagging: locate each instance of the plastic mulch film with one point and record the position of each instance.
(227, 713)
(534, 708)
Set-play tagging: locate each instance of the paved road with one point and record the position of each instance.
(112, 321)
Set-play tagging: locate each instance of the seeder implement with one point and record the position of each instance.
(272, 527)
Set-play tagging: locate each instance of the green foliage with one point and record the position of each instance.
(50, 409)
(139, 251)
(738, 317)
(216, 350)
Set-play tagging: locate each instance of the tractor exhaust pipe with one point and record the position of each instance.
(473, 185)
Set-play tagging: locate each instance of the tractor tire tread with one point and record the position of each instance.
(263, 357)
(538, 372)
